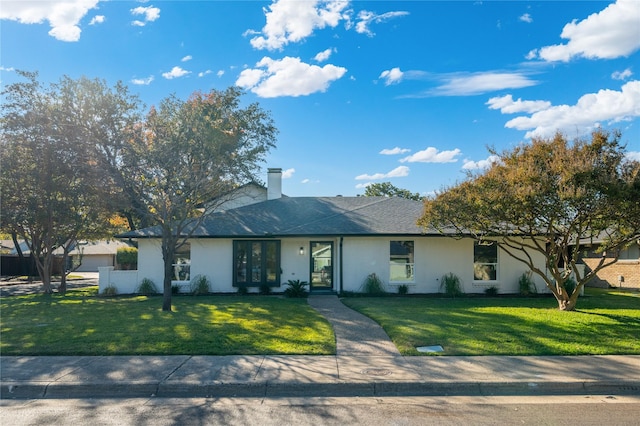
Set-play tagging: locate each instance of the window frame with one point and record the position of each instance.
(262, 268)
(409, 265)
(495, 265)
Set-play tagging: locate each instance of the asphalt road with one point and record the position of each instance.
(547, 410)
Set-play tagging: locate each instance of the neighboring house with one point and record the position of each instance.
(624, 273)
(333, 243)
(94, 254)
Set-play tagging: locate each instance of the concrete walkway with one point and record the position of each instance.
(366, 364)
(356, 334)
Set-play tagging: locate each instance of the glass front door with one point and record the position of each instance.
(321, 265)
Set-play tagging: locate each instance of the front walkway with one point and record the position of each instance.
(355, 333)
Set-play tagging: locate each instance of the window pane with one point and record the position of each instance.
(485, 262)
(256, 262)
(241, 261)
(271, 261)
(182, 263)
(401, 261)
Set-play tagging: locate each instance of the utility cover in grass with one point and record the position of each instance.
(436, 348)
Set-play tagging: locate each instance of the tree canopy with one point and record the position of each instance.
(386, 189)
(553, 197)
(186, 155)
(53, 193)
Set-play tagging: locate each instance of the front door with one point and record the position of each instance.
(321, 265)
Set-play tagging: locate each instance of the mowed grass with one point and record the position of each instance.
(606, 322)
(82, 323)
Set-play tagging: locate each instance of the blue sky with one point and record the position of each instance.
(361, 91)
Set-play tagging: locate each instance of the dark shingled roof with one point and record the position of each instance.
(309, 216)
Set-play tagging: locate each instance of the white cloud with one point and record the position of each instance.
(611, 33)
(392, 76)
(591, 109)
(293, 21)
(526, 18)
(363, 185)
(324, 55)
(394, 151)
(7, 69)
(63, 15)
(432, 155)
(175, 73)
(400, 171)
(365, 18)
(288, 77)
(186, 58)
(98, 19)
(482, 164)
(507, 105)
(142, 81)
(288, 174)
(483, 82)
(633, 155)
(148, 13)
(203, 73)
(220, 73)
(622, 75)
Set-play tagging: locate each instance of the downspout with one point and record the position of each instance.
(341, 264)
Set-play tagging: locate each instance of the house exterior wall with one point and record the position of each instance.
(433, 256)
(629, 270)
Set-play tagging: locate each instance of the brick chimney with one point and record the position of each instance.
(274, 184)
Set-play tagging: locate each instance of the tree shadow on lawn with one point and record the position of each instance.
(211, 325)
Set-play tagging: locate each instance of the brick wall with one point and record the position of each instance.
(629, 269)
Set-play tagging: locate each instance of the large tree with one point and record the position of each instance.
(186, 155)
(387, 189)
(54, 191)
(553, 197)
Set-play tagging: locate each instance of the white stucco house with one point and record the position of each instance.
(333, 243)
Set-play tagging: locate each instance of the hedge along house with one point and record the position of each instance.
(333, 243)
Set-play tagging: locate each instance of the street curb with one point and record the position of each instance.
(39, 390)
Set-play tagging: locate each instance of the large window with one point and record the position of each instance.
(182, 263)
(256, 263)
(485, 261)
(401, 261)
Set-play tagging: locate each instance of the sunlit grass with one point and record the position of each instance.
(606, 322)
(82, 323)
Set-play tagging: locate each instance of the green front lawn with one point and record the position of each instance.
(606, 322)
(81, 323)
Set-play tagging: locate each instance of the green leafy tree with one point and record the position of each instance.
(185, 156)
(550, 197)
(386, 189)
(53, 190)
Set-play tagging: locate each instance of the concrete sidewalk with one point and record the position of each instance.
(366, 364)
(310, 376)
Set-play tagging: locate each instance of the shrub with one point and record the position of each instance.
(526, 285)
(403, 289)
(265, 289)
(373, 285)
(451, 285)
(491, 291)
(147, 287)
(243, 291)
(127, 257)
(570, 285)
(110, 290)
(296, 288)
(200, 285)
(175, 289)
